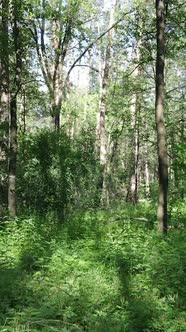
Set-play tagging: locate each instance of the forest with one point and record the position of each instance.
(92, 166)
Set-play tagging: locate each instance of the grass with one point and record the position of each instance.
(101, 271)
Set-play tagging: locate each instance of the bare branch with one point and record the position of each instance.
(92, 68)
(95, 41)
(42, 62)
(20, 86)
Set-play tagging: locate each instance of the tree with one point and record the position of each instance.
(4, 103)
(160, 125)
(53, 31)
(101, 137)
(135, 139)
(16, 84)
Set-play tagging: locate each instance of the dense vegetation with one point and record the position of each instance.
(92, 166)
(102, 270)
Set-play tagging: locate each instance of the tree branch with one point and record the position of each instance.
(95, 69)
(42, 62)
(19, 88)
(95, 41)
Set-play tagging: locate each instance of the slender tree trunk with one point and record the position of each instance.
(24, 111)
(4, 102)
(12, 158)
(182, 140)
(56, 116)
(132, 194)
(147, 180)
(101, 137)
(57, 102)
(134, 160)
(13, 113)
(160, 125)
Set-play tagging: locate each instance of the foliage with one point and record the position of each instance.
(103, 270)
(66, 264)
(54, 171)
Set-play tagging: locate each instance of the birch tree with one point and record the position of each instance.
(53, 32)
(101, 136)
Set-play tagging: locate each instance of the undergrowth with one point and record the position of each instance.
(100, 271)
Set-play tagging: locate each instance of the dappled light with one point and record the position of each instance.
(98, 274)
(92, 166)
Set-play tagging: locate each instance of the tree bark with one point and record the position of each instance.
(12, 158)
(134, 159)
(101, 137)
(182, 140)
(160, 125)
(132, 194)
(147, 180)
(4, 102)
(13, 112)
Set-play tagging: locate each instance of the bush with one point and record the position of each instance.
(54, 172)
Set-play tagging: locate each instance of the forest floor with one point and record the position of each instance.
(101, 271)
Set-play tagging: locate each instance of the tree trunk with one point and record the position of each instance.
(24, 111)
(13, 113)
(182, 140)
(134, 160)
(12, 158)
(4, 103)
(101, 138)
(52, 67)
(135, 139)
(160, 125)
(147, 181)
(58, 90)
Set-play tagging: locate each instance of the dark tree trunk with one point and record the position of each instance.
(12, 158)
(57, 121)
(24, 111)
(182, 140)
(4, 103)
(13, 112)
(147, 180)
(160, 125)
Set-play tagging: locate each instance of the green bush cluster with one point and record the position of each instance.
(54, 171)
(102, 270)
